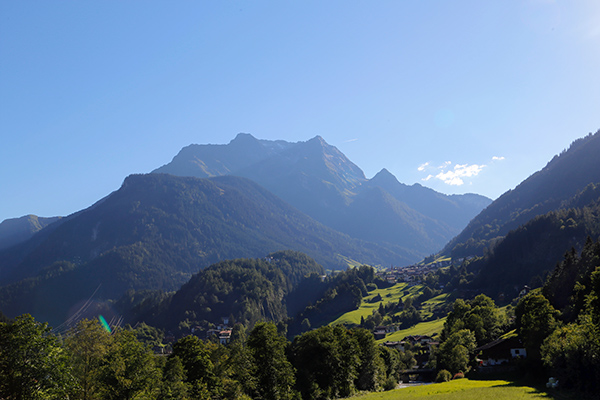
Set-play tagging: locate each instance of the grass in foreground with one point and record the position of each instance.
(461, 389)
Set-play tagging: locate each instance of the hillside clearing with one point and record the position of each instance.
(422, 328)
(392, 294)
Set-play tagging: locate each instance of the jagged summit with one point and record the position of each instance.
(319, 139)
(385, 177)
(319, 180)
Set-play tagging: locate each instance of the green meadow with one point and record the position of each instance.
(461, 389)
(422, 328)
(392, 294)
(388, 295)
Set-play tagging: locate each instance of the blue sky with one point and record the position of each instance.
(461, 96)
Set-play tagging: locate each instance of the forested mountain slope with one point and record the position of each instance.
(526, 255)
(560, 180)
(154, 232)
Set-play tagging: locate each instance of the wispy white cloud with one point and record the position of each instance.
(350, 140)
(496, 158)
(453, 176)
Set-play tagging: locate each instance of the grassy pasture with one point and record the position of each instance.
(392, 294)
(422, 328)
(429, 305)
(461, 389)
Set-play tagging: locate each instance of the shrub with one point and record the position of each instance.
(371, 287)
(443, 376)
(390, 383)
(458, 375)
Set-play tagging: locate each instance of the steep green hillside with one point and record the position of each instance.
(527, 254)
(428, 328)
(245, 290)
(393, 294)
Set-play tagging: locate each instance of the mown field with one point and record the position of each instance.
(461, 389)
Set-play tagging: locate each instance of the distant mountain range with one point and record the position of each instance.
(320, 181)
(253, 197)
(158, 229)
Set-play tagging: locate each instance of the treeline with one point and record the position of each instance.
(560, 323)
(244, 290)
(90, 362)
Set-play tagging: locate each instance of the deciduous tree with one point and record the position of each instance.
(32, 363)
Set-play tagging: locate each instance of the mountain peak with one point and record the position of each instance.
(243, 139)
(384, 173)
(385, 178)
(318, 139)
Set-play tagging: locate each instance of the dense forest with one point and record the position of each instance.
(90, 362)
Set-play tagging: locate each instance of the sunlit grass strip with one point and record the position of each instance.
(422, 328)
(461, 389)
(439, 259)
(350, 262)
(429, 306)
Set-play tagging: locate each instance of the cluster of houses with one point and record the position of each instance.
(500, 352)
(503, 352)
(222, 332)
(412, 273)
(422, 345)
